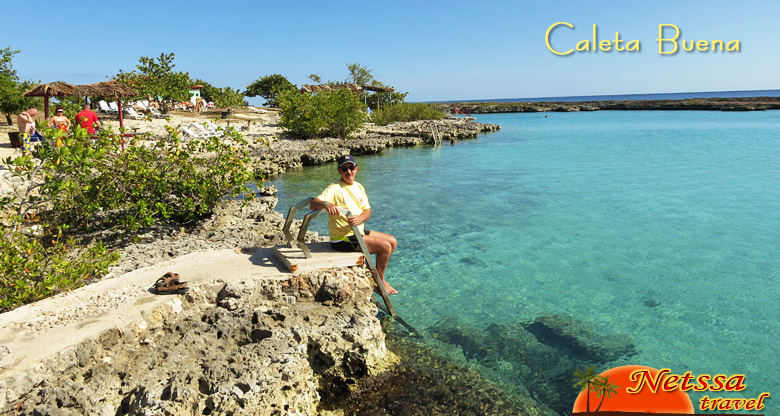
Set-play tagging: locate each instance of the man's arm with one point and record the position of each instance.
(317, 203)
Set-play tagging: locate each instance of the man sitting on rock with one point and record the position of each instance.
(350, 195)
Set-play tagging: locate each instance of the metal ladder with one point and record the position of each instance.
(300, 241)
(435, 132)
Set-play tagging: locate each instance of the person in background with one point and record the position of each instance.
(27, 132)
(87, 119)
(350, 195)
(58, 120)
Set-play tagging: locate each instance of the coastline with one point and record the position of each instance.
(114, 347)
(700, 104)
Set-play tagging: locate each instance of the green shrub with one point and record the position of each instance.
(165, 180)
(42, 262)
(325, 114)
(298, 115)
(405, 112)
(77, 184)
(341, 112)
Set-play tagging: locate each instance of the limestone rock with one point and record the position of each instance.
(265, 357)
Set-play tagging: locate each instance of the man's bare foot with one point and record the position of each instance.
(389, 289)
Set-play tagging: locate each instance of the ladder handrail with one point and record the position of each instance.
(370, 263)
(288, 222)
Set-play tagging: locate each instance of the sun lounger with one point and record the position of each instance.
(191, 134)
(114, 107)
(105, 108)
(210, 125)
(130, 112)
(156, 113)
(208, 131)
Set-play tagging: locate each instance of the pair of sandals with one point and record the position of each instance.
(169, 284)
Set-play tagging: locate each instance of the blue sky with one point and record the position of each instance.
(435, 50)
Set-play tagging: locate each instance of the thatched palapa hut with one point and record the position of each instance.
(63, 89)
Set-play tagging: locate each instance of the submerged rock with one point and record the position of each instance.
(579, 340)
(428, 383)
(539, 357)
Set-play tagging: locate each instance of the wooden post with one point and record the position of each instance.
(121, 119)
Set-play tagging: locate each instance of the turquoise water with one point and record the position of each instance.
(661, 225)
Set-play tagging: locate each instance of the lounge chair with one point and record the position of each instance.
(191, 134)
(130, 112)
(156, 113)
(105, 108)
(209, 132)
(114, 107)
(210, 125)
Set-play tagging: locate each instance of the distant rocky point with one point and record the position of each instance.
(705, 104)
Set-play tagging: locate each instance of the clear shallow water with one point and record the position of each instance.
(595, 215)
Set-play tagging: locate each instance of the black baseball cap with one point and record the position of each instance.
(346, 159)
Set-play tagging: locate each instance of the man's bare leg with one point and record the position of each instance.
(383, 245)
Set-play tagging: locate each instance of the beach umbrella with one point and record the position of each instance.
(52, 89)
(63, 89)
(111, 89)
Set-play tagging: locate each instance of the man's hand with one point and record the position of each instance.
(332, 209)
(318, 204)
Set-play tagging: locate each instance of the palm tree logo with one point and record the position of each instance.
(588, 380)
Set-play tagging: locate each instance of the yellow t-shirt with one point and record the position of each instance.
(353, 198)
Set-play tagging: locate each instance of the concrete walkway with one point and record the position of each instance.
(35, 332)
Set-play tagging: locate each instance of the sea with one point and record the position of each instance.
(659, 226)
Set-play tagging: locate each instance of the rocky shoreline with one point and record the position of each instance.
(282, 344)
(286, 153)
(701, 104)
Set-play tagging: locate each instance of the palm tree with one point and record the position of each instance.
(584, 379)
(604, 389)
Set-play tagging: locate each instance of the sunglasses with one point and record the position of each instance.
(346, 168)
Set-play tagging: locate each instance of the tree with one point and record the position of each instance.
(604, 388)
(269, 87)
(315, 78)
(157, 78)
(584, 379)
(228, 97)
(361, 75)
(12, 100)
(221, 97)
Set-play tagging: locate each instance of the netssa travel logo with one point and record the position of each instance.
(666, 381)
(669, 42)
(639, 390)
